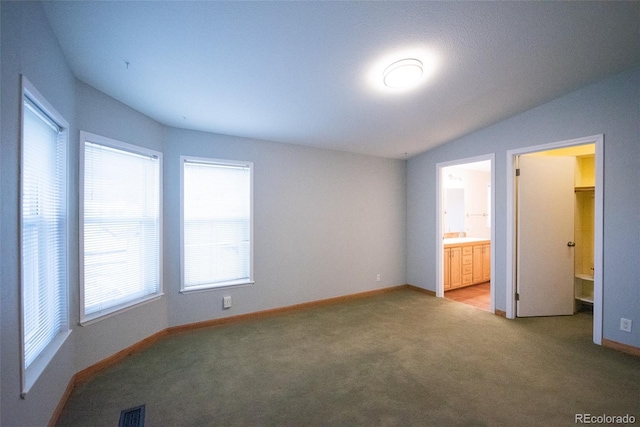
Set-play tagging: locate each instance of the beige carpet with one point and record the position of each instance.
(402, 358)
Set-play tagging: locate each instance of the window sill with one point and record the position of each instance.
(225, 285)
(37, 367)
(93, 318)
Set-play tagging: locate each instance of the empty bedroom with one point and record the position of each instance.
(261, 213)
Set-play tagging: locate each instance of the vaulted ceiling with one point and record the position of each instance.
(309, 72)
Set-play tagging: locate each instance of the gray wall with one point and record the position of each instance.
(29, 48)
(98, 113)
(610, 107)
(326, 222)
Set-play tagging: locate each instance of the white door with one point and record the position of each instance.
(545, 236)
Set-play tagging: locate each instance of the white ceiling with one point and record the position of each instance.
(300, 72)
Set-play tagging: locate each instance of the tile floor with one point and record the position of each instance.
(476, 295)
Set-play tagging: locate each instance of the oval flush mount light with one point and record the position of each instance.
(402, 74)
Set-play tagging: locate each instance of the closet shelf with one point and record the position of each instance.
(585, 298)
(586, 188)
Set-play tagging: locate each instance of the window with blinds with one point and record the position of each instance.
(121, 223)
(216, 223)
(43, 223)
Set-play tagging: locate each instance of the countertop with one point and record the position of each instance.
(463, 240)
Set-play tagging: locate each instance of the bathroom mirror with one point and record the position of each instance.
(454, 210)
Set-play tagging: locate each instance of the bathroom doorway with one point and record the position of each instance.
(465, 231)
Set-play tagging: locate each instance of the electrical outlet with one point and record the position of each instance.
(226, 302)
(625, 324)
(378, 278)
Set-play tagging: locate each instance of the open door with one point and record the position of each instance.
(545, 230)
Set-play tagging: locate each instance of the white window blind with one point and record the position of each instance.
(43, 238)
(217, 223)
(121, 226)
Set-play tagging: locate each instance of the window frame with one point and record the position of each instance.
(87, 319)
(223, 284)
(30, 374)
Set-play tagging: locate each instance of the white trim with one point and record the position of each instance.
(598, 140)
(38, 366)
(119, 145)
(28, 376)
(439, 231)
(91, 319)
(123, 146)
(41, 102)
(215, 286)
(598, 235)
(81, 227)
(215, 162)
(228, 284)
(492, 287)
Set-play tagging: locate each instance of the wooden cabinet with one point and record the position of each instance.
(486, 262)
(452, 267)
(466, 264)
(477, 263)
(455, 270)
(447, 269)
(482, 263)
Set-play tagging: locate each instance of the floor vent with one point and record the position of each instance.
(133, 417)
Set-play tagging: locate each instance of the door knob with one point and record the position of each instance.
(571, 244)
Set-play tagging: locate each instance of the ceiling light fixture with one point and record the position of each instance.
(403, 73)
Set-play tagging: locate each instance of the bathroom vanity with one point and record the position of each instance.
(467, 261)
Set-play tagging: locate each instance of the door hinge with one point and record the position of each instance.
(517, 296)
(518, 172)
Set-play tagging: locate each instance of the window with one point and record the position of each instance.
(43, 242)
(120, 226)
(216, 223)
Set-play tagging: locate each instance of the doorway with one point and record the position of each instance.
(541, 285)
(465, 231)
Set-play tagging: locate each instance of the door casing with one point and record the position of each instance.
(440, 221)
(511, 260)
